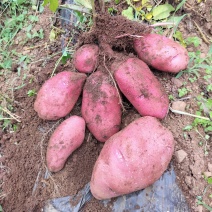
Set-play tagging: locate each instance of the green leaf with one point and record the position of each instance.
(53, 5)
(45, 2)
(208, 129)
(193, 40)
(29, 35)
(128, 13)
(209, 180)
(1, 209)
(176, 20)
(65, 57)
(180, 5)
(85, 3)
(33, 18)
(178, 35)
(7, 64)
(162, 11)
(179, 74)
(188, 128)
(19, 2)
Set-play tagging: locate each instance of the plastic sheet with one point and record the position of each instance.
(163, 196)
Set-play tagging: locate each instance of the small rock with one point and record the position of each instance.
(199, 208)
(179, 105)
(207, 174)
(210, 167)
(188, 180)
(202, 55)
(190, 49)
(178, 83)
(180, 155)
(74, 158)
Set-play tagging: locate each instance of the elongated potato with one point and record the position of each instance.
(86, 58)
(68, 136)
(58, 95)
(132, 159)
(161, 53)
(100, 106)
(141, 87)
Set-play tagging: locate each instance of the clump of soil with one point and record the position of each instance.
(108, 29)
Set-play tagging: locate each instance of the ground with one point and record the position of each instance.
(24, 185)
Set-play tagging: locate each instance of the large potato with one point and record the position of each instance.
(141, 87)
(86, 58)
(161, 53)
(100, 106)
(68, 136)
(132, 159)
(58, 95)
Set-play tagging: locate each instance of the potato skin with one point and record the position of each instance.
(100, 106)
(161, 53)
(68, 136)
(132, 159)
(86, 58)
(58, 95)
(141, 87)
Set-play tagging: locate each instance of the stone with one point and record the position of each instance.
(202, 55)
(188, 180)
(179, 105)
(210, 167)
(180, 155)
(207, 174)
(199, 208)
(178, 83)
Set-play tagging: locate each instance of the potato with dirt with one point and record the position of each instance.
(141, 87)
(86, 58)
(68, 136)
(161, 53)
(58, 95)
(101, 108)
(132, 159)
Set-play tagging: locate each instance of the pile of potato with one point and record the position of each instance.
(136, 156)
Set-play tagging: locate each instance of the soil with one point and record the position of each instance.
(25, 181)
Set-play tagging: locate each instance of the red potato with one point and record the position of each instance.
(86, 58)
(132, 159)
(68, 136)
(58, 95)
(100, 106)
(161, 53)
(141, 87)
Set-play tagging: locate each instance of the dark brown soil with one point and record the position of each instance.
(23, 172)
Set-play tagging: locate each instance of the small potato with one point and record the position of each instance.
(86, 58)
(68, 136)
(132, 159)
(58, 95)
(141, 87)
(100, 106)
(161, 53)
